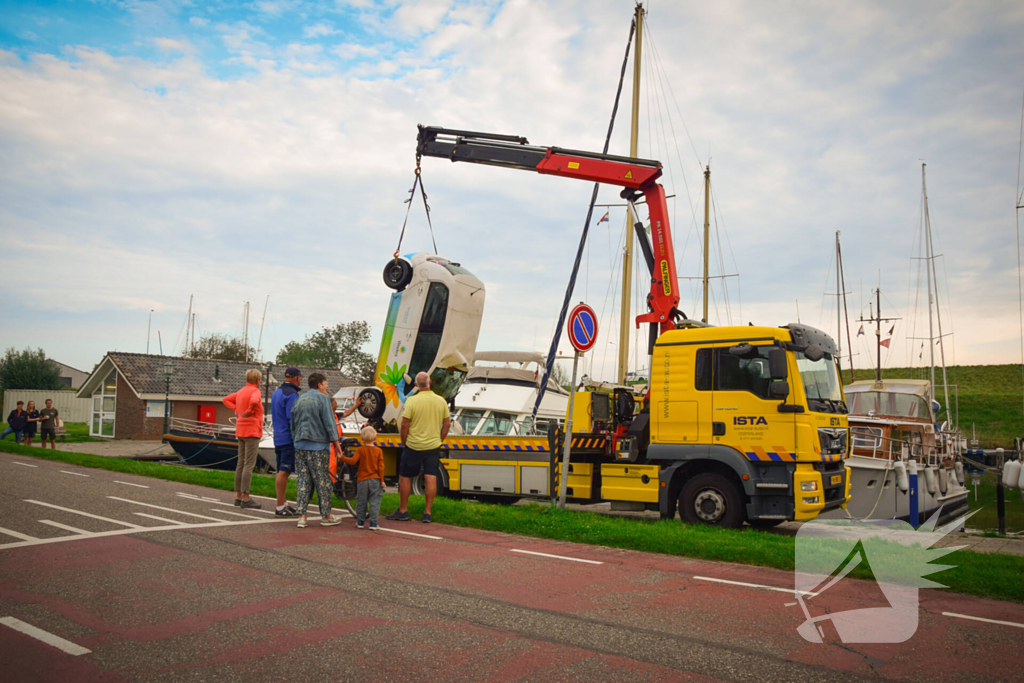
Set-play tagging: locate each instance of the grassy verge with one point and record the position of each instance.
(77, 432)
(984, 575)
(986, 518)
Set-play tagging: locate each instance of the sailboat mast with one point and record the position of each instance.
(627, 254)
(839, 312)
(846, 311)
(878, 334)
(933, 280)
(707, 233)
(928, 270)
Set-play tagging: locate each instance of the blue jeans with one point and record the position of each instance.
(16, 432)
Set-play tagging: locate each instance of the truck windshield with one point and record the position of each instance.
(821, 383)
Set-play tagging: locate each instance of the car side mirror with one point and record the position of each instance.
(777, 364)
(814, 353)
(779, 389)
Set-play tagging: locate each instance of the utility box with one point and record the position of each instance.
(208, 414)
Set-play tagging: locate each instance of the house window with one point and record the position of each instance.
(103, 402)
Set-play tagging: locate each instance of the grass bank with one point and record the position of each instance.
(984, 575)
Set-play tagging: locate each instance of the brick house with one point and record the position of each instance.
(128, 391)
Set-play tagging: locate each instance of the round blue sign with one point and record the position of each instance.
(582, 328)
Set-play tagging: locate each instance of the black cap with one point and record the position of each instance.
(292, 371)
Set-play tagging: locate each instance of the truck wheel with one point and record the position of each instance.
(397, 274)
(711, 499)
(372, 403)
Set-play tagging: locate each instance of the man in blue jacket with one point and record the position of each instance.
(281, 412)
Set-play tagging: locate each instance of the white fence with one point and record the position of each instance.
(71, 409)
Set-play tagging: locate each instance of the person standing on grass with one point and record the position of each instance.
(48, 429)
(247, 405)
(32, 420)
(425, 423)
(314, 430)
(281, 404)
(16, 422)
(369, 479)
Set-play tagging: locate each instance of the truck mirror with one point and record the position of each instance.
(779, 389)
(814, 353)
(777, 364)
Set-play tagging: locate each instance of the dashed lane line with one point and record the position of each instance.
(220, 502)
(17, 534)
(86, 514)
(160, 519)
(557, 557)
(128, 483)
(987, 621)
(45, 636)
(407, 533)
(77, 474)
(161, 507)
(65, 527)
(791, 591)
(236, 514)
(23, 464)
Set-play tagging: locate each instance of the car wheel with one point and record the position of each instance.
(397, 274)
(372, 403)
(711, 499)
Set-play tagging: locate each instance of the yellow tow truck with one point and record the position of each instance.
(740, 424)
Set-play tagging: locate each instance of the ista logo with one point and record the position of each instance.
(751, 420)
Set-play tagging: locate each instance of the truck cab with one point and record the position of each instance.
(746, 424)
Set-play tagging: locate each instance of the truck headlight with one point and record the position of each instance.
(808, 486)
(813, 500)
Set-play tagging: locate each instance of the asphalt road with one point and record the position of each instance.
(127, 578)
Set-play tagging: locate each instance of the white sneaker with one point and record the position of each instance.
(302, 523)
(330, 521)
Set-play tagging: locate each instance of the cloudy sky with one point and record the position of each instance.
(153, 150)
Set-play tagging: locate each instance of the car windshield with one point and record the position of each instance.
(821, 383)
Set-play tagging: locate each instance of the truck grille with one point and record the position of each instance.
(833, 441)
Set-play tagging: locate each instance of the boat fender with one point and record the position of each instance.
(1011, 473)
(943, 480)
(902, 480)
(1020, 480)
(958, 467)
(931, 480)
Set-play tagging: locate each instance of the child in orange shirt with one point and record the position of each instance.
(369, 479)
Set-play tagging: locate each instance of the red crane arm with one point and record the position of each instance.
(636, 175)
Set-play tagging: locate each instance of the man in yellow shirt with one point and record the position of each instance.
(425, 424)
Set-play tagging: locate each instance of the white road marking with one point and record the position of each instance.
(236, 514)
(218, 502)
(160, 507)
(128, 483)
(85, 514)
(756, 585)
(203, 498)
(557, 557)
(140, 530)
(17, 534)
(45, 636)
(160, 519)
(77, 474)
(65, 527)
(23, 464)
(408, 533)
(987, 621)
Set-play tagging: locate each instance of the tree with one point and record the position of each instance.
(561, 376)
(29, 369)
(221, 347)
(334, 347)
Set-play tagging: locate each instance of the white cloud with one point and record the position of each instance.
(815, 118)
(320, 30)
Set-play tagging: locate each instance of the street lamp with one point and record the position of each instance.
(168, 371)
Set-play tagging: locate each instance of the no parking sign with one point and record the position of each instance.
(582, 328)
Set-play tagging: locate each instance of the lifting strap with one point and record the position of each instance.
(417, 182)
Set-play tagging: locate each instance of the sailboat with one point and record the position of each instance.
(894, 421)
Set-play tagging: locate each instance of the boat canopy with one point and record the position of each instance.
(901, 398)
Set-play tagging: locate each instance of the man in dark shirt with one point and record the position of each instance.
(16, 422)
(48, 427)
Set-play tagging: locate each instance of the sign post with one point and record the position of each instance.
(582, 336)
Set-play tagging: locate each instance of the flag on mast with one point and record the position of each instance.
(604, 218)
(885, 342)
(892, 328)
(860, 331)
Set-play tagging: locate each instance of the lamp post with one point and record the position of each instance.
(168, 371)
